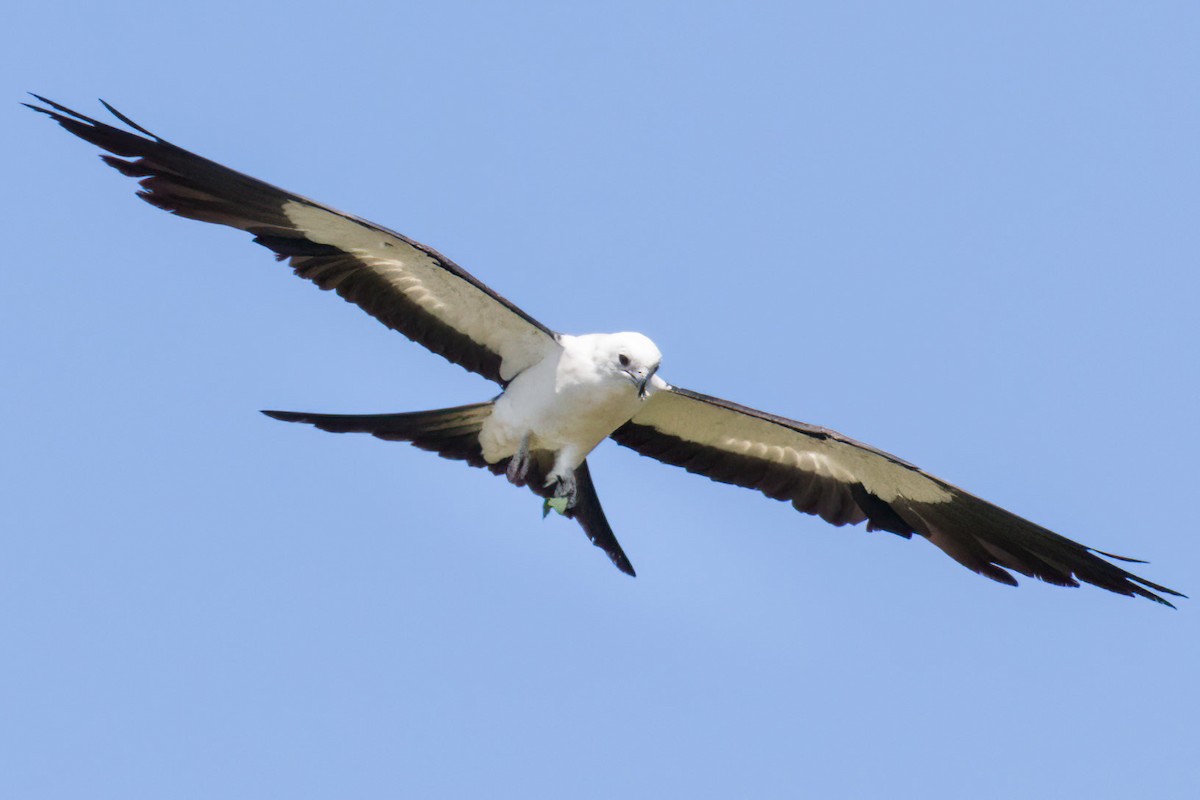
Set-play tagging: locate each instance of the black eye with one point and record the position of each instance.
(624, 359)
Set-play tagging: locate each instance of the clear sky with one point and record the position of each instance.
(962, 232)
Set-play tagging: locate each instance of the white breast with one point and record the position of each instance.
(565, 402)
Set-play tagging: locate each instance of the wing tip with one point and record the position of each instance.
(1140, 591)
(127, 120)
(1136, 586)
(62, 114)
(58, 112)
(284, 416)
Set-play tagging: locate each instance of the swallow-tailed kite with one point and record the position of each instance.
(563, 395)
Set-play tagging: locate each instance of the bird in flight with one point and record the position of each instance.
(562, 395)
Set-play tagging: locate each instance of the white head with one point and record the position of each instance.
(631, 356)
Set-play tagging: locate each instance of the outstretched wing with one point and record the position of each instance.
(846, 482)
(405, 285)
(454, 433)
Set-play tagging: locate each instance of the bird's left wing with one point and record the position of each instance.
(846, 482)
(405, 285)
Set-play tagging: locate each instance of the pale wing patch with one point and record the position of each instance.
(424, 281)
(741, 434)
(807, 461)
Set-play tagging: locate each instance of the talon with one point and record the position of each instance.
(564, 490)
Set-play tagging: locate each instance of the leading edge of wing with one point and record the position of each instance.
(406, 285)
(843, 481)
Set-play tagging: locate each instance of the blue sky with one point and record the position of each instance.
(965, 233)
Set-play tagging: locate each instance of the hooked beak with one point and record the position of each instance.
(645, 382)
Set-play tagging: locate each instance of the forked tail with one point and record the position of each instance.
(454, 433)
(449, 432)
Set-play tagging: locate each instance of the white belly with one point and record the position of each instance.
(564, 404)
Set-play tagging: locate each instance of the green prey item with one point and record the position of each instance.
(559, 504)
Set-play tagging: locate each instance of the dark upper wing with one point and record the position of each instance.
(843, 481)
(405, 285)
(454, 433)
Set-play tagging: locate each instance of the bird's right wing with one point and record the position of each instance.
(846, 482)
(405, 285)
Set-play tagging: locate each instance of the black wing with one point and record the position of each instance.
(405, 285)
(846, 482)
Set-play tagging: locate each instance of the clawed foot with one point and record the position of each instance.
(564, 495)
